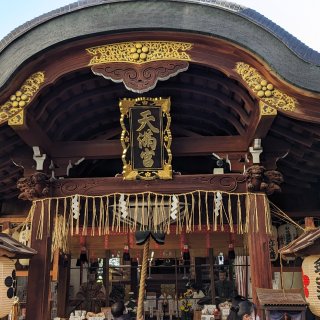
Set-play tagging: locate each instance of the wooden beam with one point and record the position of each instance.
(13, 219)
(32, 134)
(179, 130)
(183, 146)
(179, 184)
(259, 128)
(303, 214)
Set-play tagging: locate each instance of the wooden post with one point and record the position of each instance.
(106, 276)
(261, 274)
(212, 286)
(63, 285)
(39, 270)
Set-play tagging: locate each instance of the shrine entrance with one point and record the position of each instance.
(152, 153)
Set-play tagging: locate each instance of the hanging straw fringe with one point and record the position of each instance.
(153, 211)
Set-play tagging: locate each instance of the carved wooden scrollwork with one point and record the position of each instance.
(179, 184)
(260, 179)
(33, 187)
(140, 78)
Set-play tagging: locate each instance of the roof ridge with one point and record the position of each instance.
(300, 49)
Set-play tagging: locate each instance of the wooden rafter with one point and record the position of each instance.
(33, 135)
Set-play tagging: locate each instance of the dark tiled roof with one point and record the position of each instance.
(296, 46)
(299, 48)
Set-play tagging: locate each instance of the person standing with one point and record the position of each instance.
(224, 288)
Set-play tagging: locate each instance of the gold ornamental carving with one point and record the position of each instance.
(139, 52)
(266, 110)
(13, 110)
(146, 139)
(265, 91)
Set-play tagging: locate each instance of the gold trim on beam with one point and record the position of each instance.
(265, 91)
(139, 52)
(266, 110)
(12, 111)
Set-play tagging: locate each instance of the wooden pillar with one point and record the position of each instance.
(106, 276)
(38, 293)
(63, 284)
(212, 287)
(261, 274)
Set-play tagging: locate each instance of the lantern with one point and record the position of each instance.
(287, 233)
(7, 285)
(311, 282)
(273, 244)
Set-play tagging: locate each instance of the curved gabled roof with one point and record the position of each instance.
(299, 48)
(75, 107)
(286, 55)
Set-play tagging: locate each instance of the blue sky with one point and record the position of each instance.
(300, 18)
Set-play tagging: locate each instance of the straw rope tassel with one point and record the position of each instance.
(267, 215)
(207, 212)
(246, 228)
(221, 215)
(30, 218)
(63, 224)
(155, 214)
(143, 279)
(186, 211)
(191, 222)
(71, 218)
(78, 220)
(49, 216)
(230, 214)
(240, 227)
(94, 214)
(148, 212)
(118, 229)
(128, 226)
(40, 224)
(169, 216)
(162, 213)
(114, 212)
(106, 223)
(85, 222)
(101, 216)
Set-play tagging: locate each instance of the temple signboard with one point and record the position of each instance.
(146, 138)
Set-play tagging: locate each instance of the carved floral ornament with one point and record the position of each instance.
(264, 90)
(140, 52)
(139, 65)
(13, 109)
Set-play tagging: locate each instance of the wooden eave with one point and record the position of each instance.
(273, 297)
(12, 248)
(306, 243)
(75, 115)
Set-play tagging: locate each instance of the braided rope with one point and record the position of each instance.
(143, 278)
